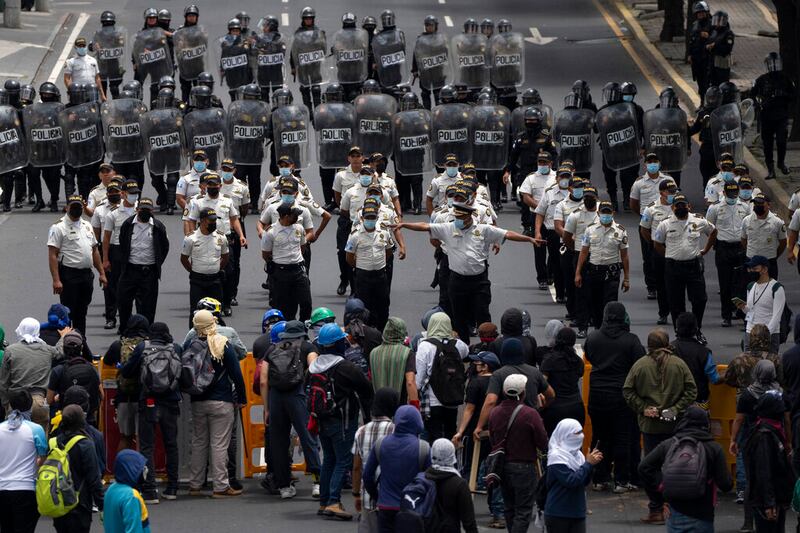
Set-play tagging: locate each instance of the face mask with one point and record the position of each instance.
(75, 211)
(606, 219)
(133, 198)
(759, 209)
(726, 175)
(563, 184)
(81, 51)
(212, 226)
(544, 169)
(365, 180)
(227, 176)
(670, 198)
(746, 194)
(375, 197)
(681, 212)
(145, 216)
(458, 223)
(114, 198)
(213, 192)
(590, 203)
(452, 172)
(627, 98)
(285, 171)
(653, 168)
(199, 166)
(731, 201)
(577, 193)
(380, 167)
(287, 198)
(450, 202)
(369, 224)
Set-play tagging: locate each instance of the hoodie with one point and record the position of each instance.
(125, 510)
(390, 361)
(402, 447)
(511, 325)
(351, 387)
(454, 500)
(790, 361)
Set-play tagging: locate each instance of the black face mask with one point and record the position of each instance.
(212, 227)
(114, 198)
(380, 167)
(681, 212)
(145, 216)
(590, 203)
(75, 211)
(213, 192)
(759, 209)
(533, 127)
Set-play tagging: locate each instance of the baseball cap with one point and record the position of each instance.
(726, 157)
(286, 160)
(590, 190)
(146, 203)
(80, 41)
(605, 205)
(114, 185)
(651, 156)
(761, 197)
(288, 184)
(73, 339)
(562, 170)
(374, 187)
(666, 183)
(451, 159)
(369, 211)
(199, 154)
(487, 358)
(130, 186)
(460, 208)
(757, 260)
(377, 156)
(75, 199)
(679, 199)
(286, 210)
(514, 385)
(294, 330)
(576, 181)
(227, 163)
(731, 187)
(366, 170)
(544, 156)
(107, 166)
(741, 167)
(208, 213)
(746, 180)
(213, 178)
(468, 168)
(355, 150)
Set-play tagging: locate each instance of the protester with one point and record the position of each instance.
(568, 472)
(393, 364)
(563, 369)
(453, 499)
(551, 329)
(57, 320)
(697, 356)
(77, 395)
(739, 373)
(790, 361)
(356, 323)
(511, 328)
(76, 370)
(765, 301)
(125, 510)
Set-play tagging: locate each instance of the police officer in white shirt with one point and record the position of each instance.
(468, 246)
(728, 216)
(678, 240)
(111, 202)
(544, 230)
(764, 233)
(793, 230)
(353, 198)
(72, 251)
(111, 253)
(281, 248)
(652, 216)
(531, 191)
(713, 192)
(98, 193)
(438, 188)
(189, 184)
(204, 255)
(378, 161)
(83, 68)
(238, 191)
(569, 257)
(574, 227)
(368, 249)
(604, 252)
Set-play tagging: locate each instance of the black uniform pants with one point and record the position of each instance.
(626, 177)
(600, 286)
(568, 263)
(311, 97)
(230, 287)
(554, 261)
(409, 186)
(251, 174)
(13, 182)
(540, 260)
(774, 131)
(202, 286)
(326, 176)
(77, 293)
(186, 87)
(290, 289)
(470, 297)
(373, 289)
(426, 97)
(342, 234)
(682, 278)
(113, 282)
(132, 171)
(647, 263)
(113, 86)
(34, 183)
(87, 178)
(443, 278)
(700, 75)
(52, 179)
(729, 258)
(138, 283)
(708, 165)
(719, 75)
(166, 189)
(661, 288)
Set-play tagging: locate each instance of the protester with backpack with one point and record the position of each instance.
(284, 395)
(213, 373)
(357, 320)
(453, 510)
(511, 328)
(766, 300)
(400, 457)
(125, 510)
(77, 395)
(441, 378)
(338, 390)
(156, 363)
(568, 474)
(697, 356)
(689, 469)
(393, 364)
(76, 370)
(563, 369)
(22, 444)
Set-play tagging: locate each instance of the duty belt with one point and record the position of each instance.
(612, 268)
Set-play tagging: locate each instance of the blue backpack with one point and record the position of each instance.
(418, 509)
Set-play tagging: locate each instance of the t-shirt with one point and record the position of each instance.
(19, 450)
(476, 395)
(537, 383)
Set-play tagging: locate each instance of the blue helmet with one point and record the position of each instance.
(277, 329)
(269, 317)
(330, 334)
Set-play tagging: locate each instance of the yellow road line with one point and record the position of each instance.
(769, 16)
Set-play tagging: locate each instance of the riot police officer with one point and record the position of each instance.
(615, 93)
(720, 46)
(702, 125)
(251, 173)
(311, 93)
(698, 39)
(12, 91)
(352, 89)
(235, 61)
(191, 14)
(50, 173)
(206, 79)
(164, 19)
(140, 74)
(268, 45)
(506, 96)
(369, 24)
(14, 152)
(108, 45)
(244, 18)
(432, 43)
(389, 48)
(774, 92)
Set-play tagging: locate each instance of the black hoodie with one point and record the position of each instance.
(511, 328)
(611, 350)
(454, 501)
(790, 361)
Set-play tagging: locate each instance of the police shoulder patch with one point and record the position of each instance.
(545, 131)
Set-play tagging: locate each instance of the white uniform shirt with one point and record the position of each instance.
(551, 197)
(270, 194)
(237, 191)
(188, 184)
(468, 250)
(438, 188)
(682, 237)
(763, 234)
(654, 214)
(223, 205)
(605, 243)
(565, 208)
(205, 251)
(714, 189)
(96, 196)
(645, 189)
(794, 200)
(386, 216)
(576, 224)
(99, 214)
(370, 247)
(728, 220)
(75, 242)
(389, 185)
(114, 219)
(353, 200)
(344, 179)
(794, 223)
(535, 184)
(142, 250)
(82, 69)
(269, 217)
(284, 242)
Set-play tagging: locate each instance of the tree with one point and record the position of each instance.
(789, 43)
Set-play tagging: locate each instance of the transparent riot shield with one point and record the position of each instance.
(205, 129)
(666, 134)
(270, 58)
(726, 131)
(191, 51)
(290, 133)
(507, 60)
(43, 133)
(468, 51)
(83, 131)
(489, 127)
(164, 140)
(151, 54)
(619, 138)
(450, 132)
(350, 51)
(247, 131)
(235, 61)
(374, 123)
(13, 149)
(309, 49)
(389, 49)
(573, 132)
(334, 123)
(432, 56)
(110, 49)
(122, 129)
(412, 141)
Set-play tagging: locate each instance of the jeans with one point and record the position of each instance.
(441, 424)
(611, 426)
(165, 416)
(287, 410)
(519, 491)
(336, 437)
(769, 526)
(741, 477)
(680, 523)
(565, 525)
(651, 440)
(494, 496)
(18, 511)
(212, 423)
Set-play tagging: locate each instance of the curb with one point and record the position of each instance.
(62, 23)
(778, 195)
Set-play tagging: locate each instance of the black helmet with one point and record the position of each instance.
(334, 93)
(244, 18)
(49, 89)
(700, 7)
(108, 17)
(369, 23)
(487, 24)
(370, 87)
(668, 98)
(504, 26)
(251, 91)
(150, 12)
(533, 116)
(282, 97)
(92, 92)
(200, 97)
(531, 96)
(388, 19)
(165, 99)
(191, 9)
(447, 94)
(581, 88)
(164, 15)
(573, 100)
(308, 12)
(12, 86)
(234, 24)
(773, 62)
(470, 26)
(135, 87)
(271, 22)
(719, 19)
(166, 81)
(75, 93)
(4, 99)
(27, 93)
(409, 102)
(713, 97)
(431, 20)
(125, 94)
(729, 92)
(612, 93)
(628, 88)
(485, 99)
(349, 20)
(207, 79)
(488, 92)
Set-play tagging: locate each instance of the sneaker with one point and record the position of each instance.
(196, 492)
(235, 484)
(543, 286)
(651, 294)
(234, 302)
(268, 484)
(341, 289)
(770, 176)
(662, 319)
(600, 487)
(497, 522)
(170, 494)
(110, 323)
(620, 489)
(227, 493)
(653, 517)
(337, 511)
(288, 492)
(701, 338)
(784, 169)
(150, 498)
(582, 333)
(726, 323)
(227, 311)
(740, 497)
(315, 491)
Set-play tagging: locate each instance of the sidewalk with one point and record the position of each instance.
(755, 26)
(24, 51)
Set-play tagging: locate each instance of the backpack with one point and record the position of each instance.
(419, 512)
(129, 386)
(77, 371)
(448, 378)
(285, 367)
(321, 398)
(55, 493)
(161, 368)
(684, 472)
(196, 363)
(355, 355)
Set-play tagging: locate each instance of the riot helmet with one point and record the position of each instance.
(244, 19)
(628, 90)
(75, 93)
(207, 79)
(166, 81)
(581, 88)
(462, 92)
(487, 96)
(729, 93)
(307, 13)
(369, 23)
(349, 20)
(164, 18)
(573, 101)
(447, 94)
(668, 98)
(92, 92)
(487, 27)
(773, 62)
(12, 86)
(720, 19)
(234, 24)
(531, 96)
(251, 91)
(49, 92)
(125, 93)
(504, 26)
(136, 88)
(271, 23)
(713, 97)
(4, 99)
(533, 118)
(150, 13)
(107, 18)
(27, 94)
(200, 97)
(334, 93)
(370, 87)
(165, 98)
(470, 26)
(282, 97)
(612, 93)
(191, 10)
(430, 20)
(409, 102)
(701, 7)
(388, 20)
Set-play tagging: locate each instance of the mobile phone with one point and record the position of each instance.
(737, 301)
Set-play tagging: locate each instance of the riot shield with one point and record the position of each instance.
(573, 132)
(389, 49)
(235, 61)
(507, 60)
(44, 134)
(489, 128)
(619, 140)
(270, 58)
(205, 129)
(468, 51)
(411, 131)
(665, 133)
(374, 123)
(450, 132)
(290, 133)
(748, 111)
(309, 49)
(247, 128)
(151, 54)
(164, 141)
(350, 53)
(13, 151)
(432, 56)
(191, 51)
(518, 118)
(122, 129)
(83, 133)
(110, 49)
(726, 130)
(334, 123)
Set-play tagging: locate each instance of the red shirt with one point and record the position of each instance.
(526, 435)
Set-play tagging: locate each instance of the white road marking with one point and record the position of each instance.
(82, 19)
(74, 3)
(284, 19)
(448, 21)
(536, 37)
(285, 1)
(552, 289)
(442, 1)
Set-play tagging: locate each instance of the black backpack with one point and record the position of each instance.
(286, 370)
(161, 368)
(684, 473)
(77, 371)
(448, 378)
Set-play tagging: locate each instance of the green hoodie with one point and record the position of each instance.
(388, 361)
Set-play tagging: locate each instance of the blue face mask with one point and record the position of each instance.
(458, 223)
(287, 198)
(285, 171)
(369, 224)
(544, 169)
(606, 219)
(577, 193)
(227, 176)
(726, 175)
(731, 201)
(450, 202)
(81, 50)
(746, 194)
(627, 98)
(670, 198)
(365, 180)
(375, 197)
(653, 168)
(452, 172)
(200, 166)
(563, 184)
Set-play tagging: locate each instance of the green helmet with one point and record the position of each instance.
(321, 314)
